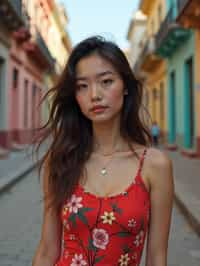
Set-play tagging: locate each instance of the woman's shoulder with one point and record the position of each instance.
(158, 165)
(157, 158)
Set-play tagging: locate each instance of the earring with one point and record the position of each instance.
(126, 92)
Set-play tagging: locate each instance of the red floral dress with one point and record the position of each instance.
(105, 230)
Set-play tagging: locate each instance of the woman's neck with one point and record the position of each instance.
(107, 140)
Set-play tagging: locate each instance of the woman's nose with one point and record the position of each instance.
(95, 92)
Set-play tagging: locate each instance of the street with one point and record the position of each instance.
(20, 223)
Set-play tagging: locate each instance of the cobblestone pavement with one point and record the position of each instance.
(20, 223)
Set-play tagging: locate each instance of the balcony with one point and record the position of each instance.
(15, 18)
(10, 13)
(189, 13)
(171, 34)
(149, 61)
(38, 50)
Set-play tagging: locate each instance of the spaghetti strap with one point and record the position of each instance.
(141, 162)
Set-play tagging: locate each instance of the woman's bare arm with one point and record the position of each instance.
(48, 250)
(162, 192)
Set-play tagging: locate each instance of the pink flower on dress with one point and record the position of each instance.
(78, 260)
(74, 203)
(100, 238)
(132, 223)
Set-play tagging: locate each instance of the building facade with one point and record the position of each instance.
(170, 61)
(27, 67)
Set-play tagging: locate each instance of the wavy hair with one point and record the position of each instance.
(69, 132)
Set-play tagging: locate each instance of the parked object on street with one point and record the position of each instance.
(97, 196)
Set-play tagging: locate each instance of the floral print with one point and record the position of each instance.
(74, 204)
(100, 238)
(78, 260)
(101, 231)
(124, 259)
(139, 238)
(108, 217)
(131, 223)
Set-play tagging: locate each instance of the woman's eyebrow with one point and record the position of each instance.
(97, 75)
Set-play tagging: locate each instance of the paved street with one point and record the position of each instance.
(20, 225)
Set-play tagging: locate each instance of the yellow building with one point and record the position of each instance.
(149, 66)
(58, 41)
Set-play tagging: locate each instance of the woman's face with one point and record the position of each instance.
(99, 89)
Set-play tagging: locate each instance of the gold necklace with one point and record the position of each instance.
(103, 170)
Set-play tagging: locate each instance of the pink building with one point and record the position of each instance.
(29, 61)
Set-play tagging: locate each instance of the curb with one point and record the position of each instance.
(190, 217)
(188, 206)
(8, 181)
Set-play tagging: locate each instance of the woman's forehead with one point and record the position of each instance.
(93, 66)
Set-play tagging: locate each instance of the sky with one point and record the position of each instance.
(109, 18)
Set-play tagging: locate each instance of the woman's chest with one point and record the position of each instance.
(128, 211)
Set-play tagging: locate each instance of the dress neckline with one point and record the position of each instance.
(137, 180)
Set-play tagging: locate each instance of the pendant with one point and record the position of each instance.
(103, 171)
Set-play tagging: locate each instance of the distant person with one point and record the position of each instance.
(106, 189)
(155, 132)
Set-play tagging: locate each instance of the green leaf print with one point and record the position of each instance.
(84, 209)
(72, 219)
(81, 215)
(91, 246)
(116, 208)
(98, 259)
(124, 234)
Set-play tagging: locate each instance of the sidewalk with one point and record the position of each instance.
(16, 165)
(187, 186)
(186, 179)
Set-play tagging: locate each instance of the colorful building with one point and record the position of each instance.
(189, 17)
(152, 65)
(26, 66)
(170, 60)
(177, 45)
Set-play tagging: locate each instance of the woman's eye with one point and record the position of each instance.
(81, 86)
(107, 81)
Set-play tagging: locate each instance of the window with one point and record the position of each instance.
(1, 77)
(15, 78)
(159, 15)
(152, 27)
(26, 83)
(190, 85)
(162, 103)
(33, 104)
(154, 103)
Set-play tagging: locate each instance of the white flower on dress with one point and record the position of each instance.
(74, 204)
(139, 238)
(108, 217)
(78, 260)
(72, 237)
(131, 223)
(124, 259)
(100, 238)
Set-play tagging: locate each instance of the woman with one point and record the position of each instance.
(105, 187)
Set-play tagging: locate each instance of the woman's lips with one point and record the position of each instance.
(99, 109)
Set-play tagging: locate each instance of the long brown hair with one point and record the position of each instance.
(69, 132)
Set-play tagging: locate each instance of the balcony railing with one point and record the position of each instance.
(13, 14)
(44, 49)
(165, 26)
(181, 4)
(17, 6)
